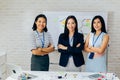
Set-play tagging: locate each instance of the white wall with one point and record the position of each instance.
(17, 16)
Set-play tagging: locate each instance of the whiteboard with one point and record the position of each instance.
(56, 20)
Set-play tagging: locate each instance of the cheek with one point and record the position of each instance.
(68, 26)
(93, 25)
(74, 26)
(100, 25)
(44, 24)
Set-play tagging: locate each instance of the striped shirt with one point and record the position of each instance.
(37, 37)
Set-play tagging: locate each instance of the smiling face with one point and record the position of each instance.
(97, 24)
(40, 23)
(71, 25)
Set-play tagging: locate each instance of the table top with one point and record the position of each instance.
(49, 75)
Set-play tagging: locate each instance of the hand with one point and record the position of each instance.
(78, 45)
(60, 46)
(50, 45)
(34, 53)
(40, 49)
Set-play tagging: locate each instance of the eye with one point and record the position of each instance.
(44, 22)
(39, 21)
(68, 23)
(73, 22)
(99, 22)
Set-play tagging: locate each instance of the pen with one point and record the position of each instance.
(59, 77)
(14, 71)
(65, 74)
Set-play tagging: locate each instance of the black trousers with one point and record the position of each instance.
(39, 63)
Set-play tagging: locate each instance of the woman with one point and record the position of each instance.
(96, 44)
(70, 45)
(42, 44)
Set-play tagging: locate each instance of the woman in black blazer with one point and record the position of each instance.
(70, 45)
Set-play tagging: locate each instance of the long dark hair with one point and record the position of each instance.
(39, 16)
(103, 29)
(66, 31)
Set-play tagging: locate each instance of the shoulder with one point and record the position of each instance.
(88, 36)
(33, 33)
(80, 34)
(106, 36)
(61, 35)
(91, 34)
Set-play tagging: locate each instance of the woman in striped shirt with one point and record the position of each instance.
(42, 44)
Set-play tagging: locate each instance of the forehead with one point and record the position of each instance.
(41, 18)
(97, 19)
(71, 19)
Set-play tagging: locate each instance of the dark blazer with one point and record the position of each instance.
(74, 51)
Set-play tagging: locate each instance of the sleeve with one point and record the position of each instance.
(33, 41)
(50, 39)
(60, 41)
(77, 50)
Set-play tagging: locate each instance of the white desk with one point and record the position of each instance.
(3, 58)
(70, 75)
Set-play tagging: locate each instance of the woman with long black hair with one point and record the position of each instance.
(70, 45)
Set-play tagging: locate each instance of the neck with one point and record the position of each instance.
(97, 32)
(39, 30)
(71, 34)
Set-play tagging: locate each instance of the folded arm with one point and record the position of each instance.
(38, 52)
(49, 49)
(99, 50)
(43, 51)
(86, 46)
(103, 46)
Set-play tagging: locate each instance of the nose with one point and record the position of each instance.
(96, 24)
(41, 23)
(70, 25)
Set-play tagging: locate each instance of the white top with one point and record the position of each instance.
(97, 64)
